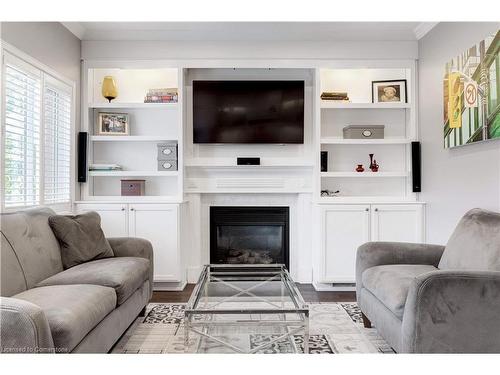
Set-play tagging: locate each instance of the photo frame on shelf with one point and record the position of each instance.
(389, 91)
(109, 123)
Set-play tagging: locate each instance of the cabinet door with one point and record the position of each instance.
(345, 228)
(158, 223)
(114, 220)
(400, 223)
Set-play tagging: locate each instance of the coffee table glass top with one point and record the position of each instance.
(246, 288)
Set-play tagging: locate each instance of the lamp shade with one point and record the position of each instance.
(109, 90)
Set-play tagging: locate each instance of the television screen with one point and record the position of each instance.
(248, 111)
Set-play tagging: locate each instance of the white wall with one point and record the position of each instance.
(453, 180)
(48, 42)
(96, 50)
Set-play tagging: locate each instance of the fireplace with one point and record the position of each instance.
(249, 235)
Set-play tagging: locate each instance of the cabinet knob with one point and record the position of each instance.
(376, 210)
(132, 209)
(367, 209)
(123, 208)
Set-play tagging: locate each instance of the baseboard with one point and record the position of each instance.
(333, 288)
(169, 286)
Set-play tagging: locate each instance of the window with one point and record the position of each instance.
(37, 136)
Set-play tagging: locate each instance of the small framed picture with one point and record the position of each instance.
(113, 124)
(392, 91)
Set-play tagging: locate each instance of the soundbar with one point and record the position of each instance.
(248, 161)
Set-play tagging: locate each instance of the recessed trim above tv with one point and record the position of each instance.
(248, 111)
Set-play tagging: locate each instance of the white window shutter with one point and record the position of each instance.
(57, 142)
(22, 98)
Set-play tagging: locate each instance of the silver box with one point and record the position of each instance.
(167, 151)
(364, 132)
(167, 165)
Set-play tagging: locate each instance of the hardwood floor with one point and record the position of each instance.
(307, 290)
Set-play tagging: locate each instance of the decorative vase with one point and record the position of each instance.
(109, 90)
(360, 168)
(373, 164)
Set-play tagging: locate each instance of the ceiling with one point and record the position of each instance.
(250, 31)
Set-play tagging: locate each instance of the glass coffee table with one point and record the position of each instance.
(246, 309)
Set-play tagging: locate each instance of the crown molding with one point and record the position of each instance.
(76, 28)
(423, 28)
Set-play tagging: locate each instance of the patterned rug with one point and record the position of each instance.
(334, 328)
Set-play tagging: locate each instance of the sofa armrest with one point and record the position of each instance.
(23, 328)
(373, 254)
(453, 311)
(134, 247)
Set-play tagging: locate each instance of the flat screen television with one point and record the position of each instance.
(248, 111)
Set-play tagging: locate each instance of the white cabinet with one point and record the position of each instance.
(345, 227)
(158, 223)
(114, 217)
(400, 223)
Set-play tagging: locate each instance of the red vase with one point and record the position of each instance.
(360, 168)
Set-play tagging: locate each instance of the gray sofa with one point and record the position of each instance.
(85, 308)
(435, 299)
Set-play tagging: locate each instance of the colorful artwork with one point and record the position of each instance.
(471, 90)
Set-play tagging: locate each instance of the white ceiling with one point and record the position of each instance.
(250, 31)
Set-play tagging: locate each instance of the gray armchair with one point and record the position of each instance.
(435, 299)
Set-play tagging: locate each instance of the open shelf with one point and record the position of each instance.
(135, 105)
(130, 138)
(364, 174)
(133, 173)
(384, 141)
(231, 163)
(347, 105)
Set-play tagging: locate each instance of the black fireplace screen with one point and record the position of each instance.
(249, 235)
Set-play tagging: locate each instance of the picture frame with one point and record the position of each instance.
(390, 91)
(110, 123)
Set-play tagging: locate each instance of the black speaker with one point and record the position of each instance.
(416, 167)
(248, 161)
(324, 161)
(82, 156)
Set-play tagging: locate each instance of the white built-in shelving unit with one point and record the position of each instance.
(392, 153)
(150, 125)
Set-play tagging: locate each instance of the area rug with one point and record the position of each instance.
(334, 328)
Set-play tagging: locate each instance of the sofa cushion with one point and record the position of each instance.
(71, 310)
(124, 274)
(81, 238)
(34, 245)
(475, 243)
(390, 283)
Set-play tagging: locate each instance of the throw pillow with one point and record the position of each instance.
(81, 238)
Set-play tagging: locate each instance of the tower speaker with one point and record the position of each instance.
(82, 156)
(416, 166)
(324, 161)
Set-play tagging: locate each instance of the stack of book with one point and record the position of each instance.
(168, 95)
(105, 167)
(334, 96)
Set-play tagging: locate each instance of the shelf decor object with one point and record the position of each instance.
(109, 90)
(389, 91)
(363, 132)
(113, 124)
(133, 187)
(373, 164)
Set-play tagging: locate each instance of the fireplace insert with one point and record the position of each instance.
(249, 235)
